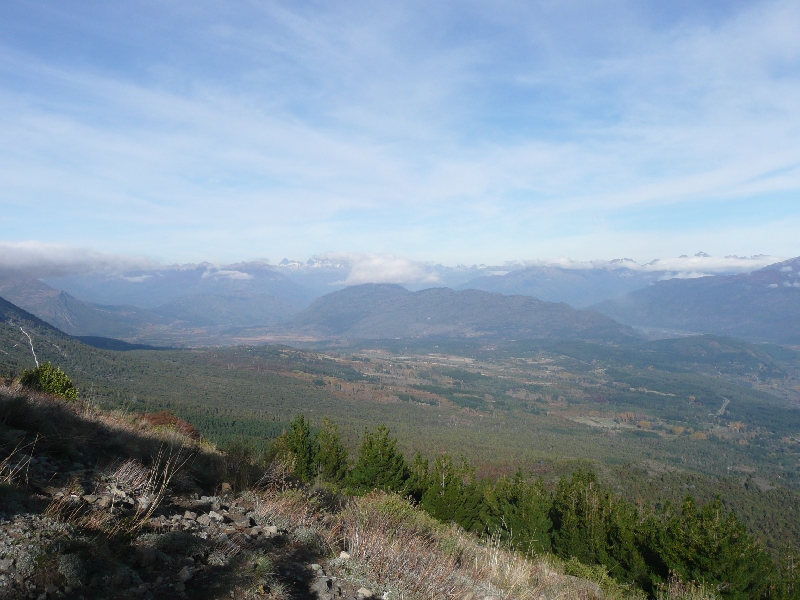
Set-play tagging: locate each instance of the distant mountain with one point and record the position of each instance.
(71, 315)
(384, 311)
(761, 306)
(13, 316)
(241, 304)
(157, 287)
(201, 310)
(577, 287)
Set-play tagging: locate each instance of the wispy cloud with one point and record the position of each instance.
(455, 131)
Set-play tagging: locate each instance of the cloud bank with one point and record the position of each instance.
(43, 259)
(699, 265)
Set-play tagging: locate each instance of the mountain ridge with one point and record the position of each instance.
(373, 311)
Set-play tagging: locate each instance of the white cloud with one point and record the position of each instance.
(136, 278)
(686, 267)
(381, 268)
(707, 265)
(43, 259)
(226, 274)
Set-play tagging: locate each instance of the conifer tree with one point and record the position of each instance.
(419, 477)
(380, 465)
(331, 453)
(303, 445)
(711, 545)
(453, 494)
(597, 528)
(517, 509)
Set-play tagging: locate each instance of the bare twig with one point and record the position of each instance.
(30, 341)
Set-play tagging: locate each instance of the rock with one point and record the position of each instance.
(204, 520)
(90, 498)
(180, 587)
(322, 586)
(271, 530)
(72, 569)
(315, 567)
(14, 435)
(344, 555)
(50, 589)
(6, 564)
(189, 515)
(243, 521)
(216, 517)
(104, 502)
(140, 591)
(146, 556)
(185, 574)
(364, 593)
(226, 488)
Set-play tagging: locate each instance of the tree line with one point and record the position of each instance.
(579, 519)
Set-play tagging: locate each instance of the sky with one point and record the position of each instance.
(454, 132)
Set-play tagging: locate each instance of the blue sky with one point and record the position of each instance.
(452, 132)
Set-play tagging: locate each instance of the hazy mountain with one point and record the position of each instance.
(174, 319)
(583, 284)
(217, 310)
(384, 311)
(157, 287)
(760, 306)
(577, 287)
(71, 315)
(12, 315)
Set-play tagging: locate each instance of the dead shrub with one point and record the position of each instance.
(169, 420)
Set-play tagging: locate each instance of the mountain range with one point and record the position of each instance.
(207, 304)
(762, 306)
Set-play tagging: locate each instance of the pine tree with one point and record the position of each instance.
(331, 453)
(419, 477)
(597, 528)
(380, 465)
(711, 545)
(517, 510)
(453, 494)
(303, 445)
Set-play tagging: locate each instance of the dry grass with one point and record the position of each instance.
(147, 486)
(395, 547)
(675, 589)
(14, 467)
(404, 550)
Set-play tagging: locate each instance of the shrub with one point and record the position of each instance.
(50, 379)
